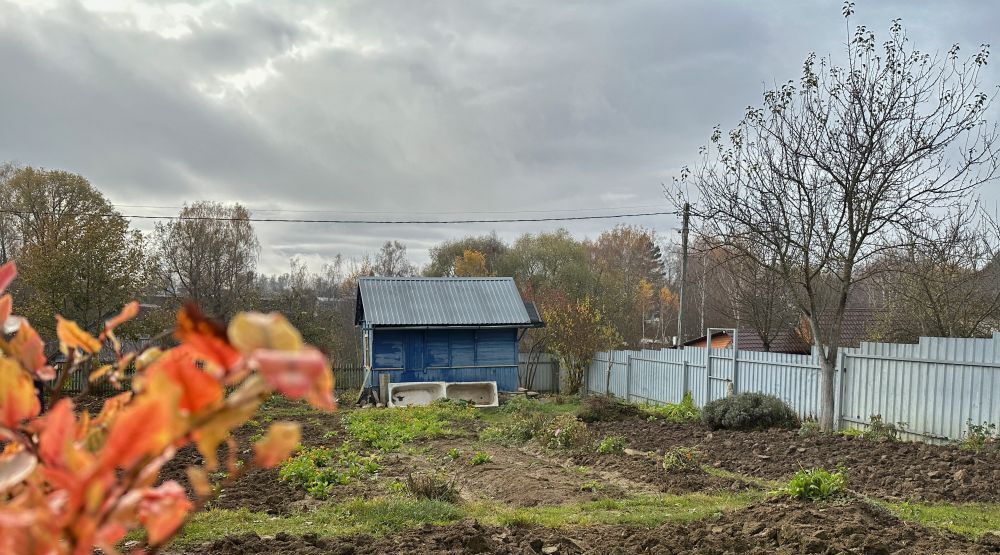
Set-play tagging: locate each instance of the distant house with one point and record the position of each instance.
(858, 325)
(442, 329)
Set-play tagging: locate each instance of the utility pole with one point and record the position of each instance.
(684, 264)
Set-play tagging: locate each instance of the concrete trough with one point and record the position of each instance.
(407, 394)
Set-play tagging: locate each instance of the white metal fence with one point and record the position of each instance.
(935, 386)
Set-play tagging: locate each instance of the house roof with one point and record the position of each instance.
(415, 301)
(749, 340)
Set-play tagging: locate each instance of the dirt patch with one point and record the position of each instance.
(891, 470)
(637, 471)
(515, 477)
(772, 527)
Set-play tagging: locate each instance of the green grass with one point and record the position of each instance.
(388, 429)
(968, 519)
(644, 510)
(521, 405)
(386, 515)
(378, 517)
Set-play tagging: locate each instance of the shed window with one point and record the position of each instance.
(463, 347)
(436, 349)
(495, 347)
(387, 349)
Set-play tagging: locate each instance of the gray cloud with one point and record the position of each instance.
(400, 107)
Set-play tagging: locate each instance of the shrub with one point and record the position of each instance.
(809, 428)
(851, 432)
(749, 411)
(319, 470)
(519, 404)
(517, 430)
(879, 430)
(980, 436)
(685, 411)
(564, 432)
(480, 458)
(815, 484)
(612, 444)
(434, 486)
(596, 408)
(682, 459)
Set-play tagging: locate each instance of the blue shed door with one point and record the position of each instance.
(414, 358)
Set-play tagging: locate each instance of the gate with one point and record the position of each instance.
(720, 369)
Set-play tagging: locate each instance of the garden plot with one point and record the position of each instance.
(533, 478)
(888, 469)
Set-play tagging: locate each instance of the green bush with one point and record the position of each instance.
(749, 411)
(878, 430)
(682, 459)
(815, 484)
(810, 428)
(685, 411)
(599, 408)
(521, 428)
(612, 444)
(980, 436)
(319, 469)
(565, 432)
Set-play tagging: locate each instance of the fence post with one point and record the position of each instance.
(628, 377)
(708, 373)
(684, 378)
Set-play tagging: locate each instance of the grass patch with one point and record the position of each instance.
(968, 519)
(815, 484)
(646, 510)
(319, 470)
(376, 517)
(730, 475)
(685, 411)
(388, 429)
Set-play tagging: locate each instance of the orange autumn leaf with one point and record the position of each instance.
(29, 350)
(7, 274)
(71, 337)
(320, 395)
(129, 311)
(6, 305)
(143, 428)
(213, 432)
(162, 510)
(18, 399)
(291, 373)
(57, 434)
(206, 336)
(198, 390)
(280, 441)
(199, 481)
(250, 331)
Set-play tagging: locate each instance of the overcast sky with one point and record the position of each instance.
(405, 109)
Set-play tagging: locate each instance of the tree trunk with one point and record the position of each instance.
(826, 392)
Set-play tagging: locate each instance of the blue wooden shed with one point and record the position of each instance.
(442, 329)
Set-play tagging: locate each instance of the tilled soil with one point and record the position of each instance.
(775, 526)
(890, 470)
(638, 471)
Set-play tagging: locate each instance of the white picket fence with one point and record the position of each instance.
(935, 386)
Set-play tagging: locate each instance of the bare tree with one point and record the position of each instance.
(9, 238)
(830, 173)
(946, 283)
(209, 255)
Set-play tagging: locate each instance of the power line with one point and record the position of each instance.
(351, 221)
(298, 211)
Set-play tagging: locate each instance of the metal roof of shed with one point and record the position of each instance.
(385, 301)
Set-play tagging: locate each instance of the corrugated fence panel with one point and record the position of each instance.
(546, 373)
(935, 387)
(794, 379)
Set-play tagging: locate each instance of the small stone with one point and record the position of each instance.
(550, 549)
(130, 545)
(960, 476)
